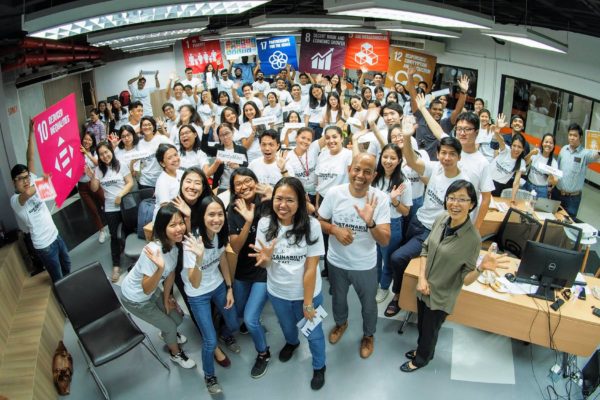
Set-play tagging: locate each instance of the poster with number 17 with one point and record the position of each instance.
(276, 53)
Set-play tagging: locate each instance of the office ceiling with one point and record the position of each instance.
(581, 16)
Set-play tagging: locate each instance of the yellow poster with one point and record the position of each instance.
(592, 140)
(401, 59)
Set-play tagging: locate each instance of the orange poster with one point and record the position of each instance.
(401, 59)
(592, 140)
(368, 51)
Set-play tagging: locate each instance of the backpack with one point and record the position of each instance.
(145, 213)
(125, 98)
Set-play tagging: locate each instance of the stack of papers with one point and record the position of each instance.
(306, 326)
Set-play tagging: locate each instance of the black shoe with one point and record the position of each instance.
(318, 379)
(288, 350)
(243, 329)
(260, 365)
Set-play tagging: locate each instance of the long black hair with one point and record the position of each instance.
(93, 137)
(159, 230)
(328, 108)
(197, 140)
(257, 114)
(237, 116)
(301, 221)
(194, 117)
(521, 158)
(223, 234)
(114, 163)
(397, 177)
(205, 193)
(551, 157)
(312, 100)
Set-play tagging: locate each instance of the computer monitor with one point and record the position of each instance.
(549, 267)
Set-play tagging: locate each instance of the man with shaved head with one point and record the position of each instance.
(357, 217)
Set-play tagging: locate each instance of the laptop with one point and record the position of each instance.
(546, 205)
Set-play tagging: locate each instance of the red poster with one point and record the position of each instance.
(198, 54)
(368, 51)
(57, 137)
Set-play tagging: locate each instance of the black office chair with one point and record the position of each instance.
(515, 230)
(105, 331)
(560, 234)
(133, 244)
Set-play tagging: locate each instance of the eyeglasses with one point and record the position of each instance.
(245, 182)
(463, 129)
(23, 178)
(225, 134)
(459, 200)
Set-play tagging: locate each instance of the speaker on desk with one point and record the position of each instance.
(591, 374)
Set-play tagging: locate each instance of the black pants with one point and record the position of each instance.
(113, 219)
(429, 324)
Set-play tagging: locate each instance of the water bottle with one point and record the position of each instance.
(493, 249)
(532, 201)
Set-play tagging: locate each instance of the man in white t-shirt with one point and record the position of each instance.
(178, 97)
(225, 84)
(33, 214)
(136, 112)
(281, 90)
(260, 86)
(357, 217)
(271, 167)
(141, 93)
(190, 79)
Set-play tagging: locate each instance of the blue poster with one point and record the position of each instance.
(276, 52)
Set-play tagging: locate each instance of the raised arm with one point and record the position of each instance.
(169, 87)
(410, 86)
(433, 125)
(500, 123)
(30, 148)
(463, 83)
(156, 81)
(408, 152)
(135, 78)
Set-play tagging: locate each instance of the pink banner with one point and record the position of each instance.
(57, 137)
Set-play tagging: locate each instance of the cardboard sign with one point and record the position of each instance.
(57, 136)
(237, 48)
(269, 119)
(293, 125)
(198, 54)
(322, 52)
(227, 156)
(550, 170)
(276, 53)
(401, 59)
(368, 51)
(45, 189)
(592, 140)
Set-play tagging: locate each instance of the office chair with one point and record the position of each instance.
(560, 234)
(133, 244)
(515, 230)
(104, 330)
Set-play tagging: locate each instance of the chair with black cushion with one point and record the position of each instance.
(133, 244)
(105, 331)
(515, 230)
(560, 234)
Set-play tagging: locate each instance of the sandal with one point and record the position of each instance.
(116, 274)
(411, 354)
(392, 308)
(407, 368)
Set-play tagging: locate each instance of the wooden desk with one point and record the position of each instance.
(479, 306)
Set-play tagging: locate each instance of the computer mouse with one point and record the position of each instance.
(510, 277)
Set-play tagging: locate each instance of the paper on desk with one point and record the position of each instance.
(518, 288)
(306, 326)
(542, 216)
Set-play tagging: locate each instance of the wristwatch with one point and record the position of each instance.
(228, 287)
(309, 308)
(372, 226)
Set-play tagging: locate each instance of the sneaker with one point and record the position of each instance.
(260, 365)
(382, 294)
(337, 332)
(102, 236)
(180, 338)
(182, 359)
(243, 329)
(288, 350)
(230, 343)
(212, 385)
(366, 346)
(318, 379)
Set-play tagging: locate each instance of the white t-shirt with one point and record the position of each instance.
(225, 86)
(314, 114)
(142, 95)
(503, 165)
(192, 159)
(332, 170)
(329, 118)
(476, 168)
(305, 90)
(245, 131)
(338, 207)
(484, 138)
(205, 111)
(433, 203)
(192, 82)
(125, 157)
(178, 103)
(211, 273)
(304, 167)
(537, 176)
(150, 167)
(88, 163)
(112, 183)
(211, 81)
(298, 106)
(405, 198)
(123, 118)
(283, 95)
(36, 218)
(274, 111)
(285, 274)
(417, 185)
(174, 133)
(131, 287)
(167, 188)
(260, 87)
(267, 173)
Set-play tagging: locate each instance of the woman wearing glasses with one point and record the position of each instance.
(448, 261)
(224, 169)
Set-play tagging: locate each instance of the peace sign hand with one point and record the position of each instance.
(366, 213)
(263, 253)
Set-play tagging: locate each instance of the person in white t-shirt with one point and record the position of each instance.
(169, 180)
(141, 93)
(298, 103)
(34, 217)
(485, 135)
(225, 84)
(357, 217)
(147, 146)
(190, 152)
(538, 179)
(302, 160)
(287, 134)
(124, 144)
(248, 95)
(288, 244)
(140, 290)
(271, 167)
(190, 79)
(248, 133)
(179, 97)
(332, 113)
(187, 116)
(260, 86)
(273, 108)
(333, 162)
(172, 118)
(312, 113)
(283, 95)
(305, 83)
(208, 281)
(116, 181)
(508, 166)
(93, 201)
(136, 112)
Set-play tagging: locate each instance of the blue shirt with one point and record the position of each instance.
(573, 163)
(247, 71)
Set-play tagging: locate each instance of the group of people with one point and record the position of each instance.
(367, 178)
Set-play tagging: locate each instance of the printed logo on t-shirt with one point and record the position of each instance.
(327, 175)
(434, 197)
(111, 182)
(502, 169)
(34, 205)
(210, 259)
(350, 220)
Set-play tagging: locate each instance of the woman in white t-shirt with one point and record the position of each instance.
(303, 160)
(288, 135)
(190, 153)
(248, 133)
(332, 113)
(333, 162)
(288, 244)
(210, 79)
(116, 182)
(140, 290)
(168, 182)
(206, 109)
(312, 113)
(94, 201)
(392, 181)
(357, 111)
(273, 108)
(187, 116)
(125, 146)
(485, 135)
(208, 281)
(147, 146)
(508, 166)
(538, 179)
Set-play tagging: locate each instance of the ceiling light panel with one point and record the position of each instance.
(417, 29)
(150, 36)
(146, 43)
(303, 21)
(49, 30)
(529, 38)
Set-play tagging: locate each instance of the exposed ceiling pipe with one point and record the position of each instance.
(30, 60)
(34, 43)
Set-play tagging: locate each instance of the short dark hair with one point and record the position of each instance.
(392, 106)
(450, 142)
(575, 127)
(272, 133)
(188, 69)
(197, 140)
(469, 117)
(434, 102)
(241, 171)
(167, 104)
(178, 84)
(18, 170)
(423, 83)
(378, 73)
(159, 230)
(135, 104)
(246, 84)
(460, 184)
(151, 120)
(162, 150)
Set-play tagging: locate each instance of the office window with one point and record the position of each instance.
(446, 76)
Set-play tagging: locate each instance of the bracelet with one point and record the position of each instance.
(285, 171)
(395, 205)
(309, 308)
(228, 287)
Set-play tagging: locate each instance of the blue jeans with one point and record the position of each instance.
(201, 310)
(385, 272)
(250, 299)
(541, 191)
(316, 127)
(56, 259)
(569, 203)
(416, 234)
(289, 313)
(417, 203)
